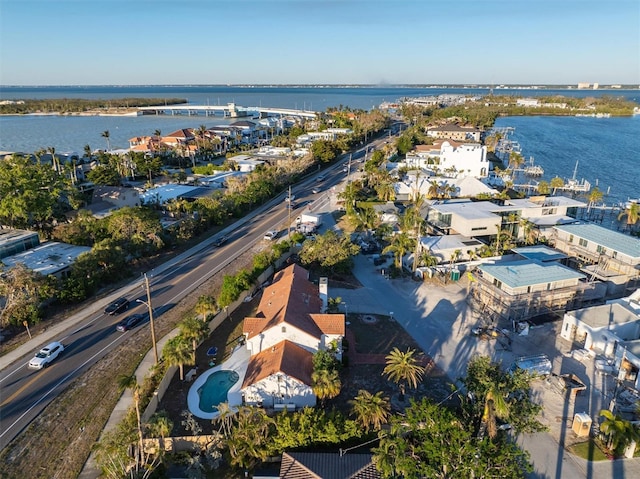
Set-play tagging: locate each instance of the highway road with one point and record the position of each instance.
(24, 393)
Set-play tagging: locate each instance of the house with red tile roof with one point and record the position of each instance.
(288, 328)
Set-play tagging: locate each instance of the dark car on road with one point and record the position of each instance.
(118, 306)
(129, 322)
(220, 240)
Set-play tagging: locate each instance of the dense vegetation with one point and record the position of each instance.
(79, 105)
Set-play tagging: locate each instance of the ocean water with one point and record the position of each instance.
(607, 149)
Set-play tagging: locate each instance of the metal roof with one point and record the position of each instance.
(540, 253)
(610, 239)
(517, 274)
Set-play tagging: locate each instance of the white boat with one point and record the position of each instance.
(572, 184)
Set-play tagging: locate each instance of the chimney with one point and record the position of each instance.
(323, 287)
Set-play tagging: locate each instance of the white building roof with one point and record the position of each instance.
(48, 258)
(604, 315)
(449, 242)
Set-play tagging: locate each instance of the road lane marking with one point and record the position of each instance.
(57, 385)
(22, 388)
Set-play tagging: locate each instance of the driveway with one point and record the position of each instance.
(438, 319)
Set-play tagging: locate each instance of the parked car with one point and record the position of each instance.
(271, 235)
(220, 240)
(117, 307)
(129, 322)
(46, 355)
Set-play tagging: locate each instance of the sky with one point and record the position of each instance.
(428, 42)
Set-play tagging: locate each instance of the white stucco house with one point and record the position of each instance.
(452, 157)
(288, 328)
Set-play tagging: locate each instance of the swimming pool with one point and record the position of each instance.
(214, 390)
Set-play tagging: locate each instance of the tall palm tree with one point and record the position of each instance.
(194, 330)
(632, 212)
(177, 352)
(403, 368)
(106, 135)
(55, 161)
(326, 384)
(130, 382)
(371, 410)
(205, 306)
(400, 244)
(434, 189)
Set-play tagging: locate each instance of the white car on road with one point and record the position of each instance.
(270, 235)
(46, 355)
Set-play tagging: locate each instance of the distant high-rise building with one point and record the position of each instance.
(582, 86)
(595, 86)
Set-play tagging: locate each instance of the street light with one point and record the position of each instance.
(346, 309)
(153, 329)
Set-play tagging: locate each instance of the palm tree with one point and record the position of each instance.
(106, 135)
(205, 306)
(619, 431)
(224, 418)
(528, 231)
(130, 382)
(495, 406)
(632, 212)
(556, 183)
(594, 197)
(160, 426)
(543, 187)
(434, 189)
(177, 352)
(55, 161)
(326, 384)
(403, 367)
(194, 330)
(371, 410)
(400, 244)
(248, 440)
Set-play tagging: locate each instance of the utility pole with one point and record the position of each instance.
(153, 329)
(349, 168)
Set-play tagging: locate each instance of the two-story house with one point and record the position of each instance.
(288, 328)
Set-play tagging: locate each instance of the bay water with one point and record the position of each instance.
(607, 149)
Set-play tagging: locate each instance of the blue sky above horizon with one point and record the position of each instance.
(138, 42)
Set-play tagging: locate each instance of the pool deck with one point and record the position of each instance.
(238, 362)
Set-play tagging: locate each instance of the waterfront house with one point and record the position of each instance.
(484, 218)
(601, 253)
(288, 328)
(521, 289)
(455, 132)
(451, 157)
